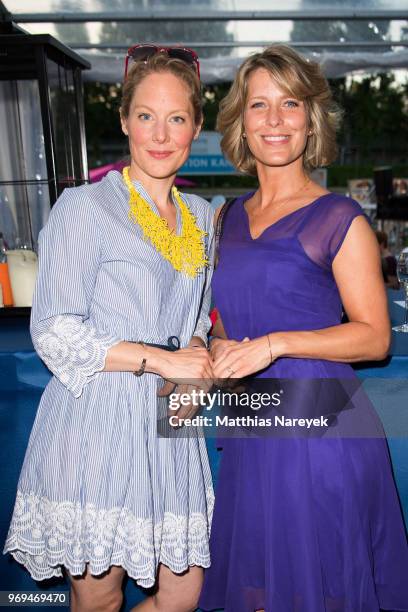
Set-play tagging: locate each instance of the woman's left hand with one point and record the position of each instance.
(240, 359)
(218, 347)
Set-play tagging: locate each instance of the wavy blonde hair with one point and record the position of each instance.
(300, 78)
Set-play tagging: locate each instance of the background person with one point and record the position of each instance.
(388, 262)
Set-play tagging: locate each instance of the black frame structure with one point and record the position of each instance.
(26, 56)
(56, 72)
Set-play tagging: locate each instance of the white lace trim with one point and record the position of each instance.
(45, 535)
(73, 352)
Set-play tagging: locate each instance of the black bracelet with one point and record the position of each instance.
(141, 370)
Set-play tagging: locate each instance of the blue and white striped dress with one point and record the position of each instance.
(98, 485)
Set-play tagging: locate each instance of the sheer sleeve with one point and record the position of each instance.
(69, 259)
(327, 227)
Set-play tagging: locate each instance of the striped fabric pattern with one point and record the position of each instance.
(98, 485)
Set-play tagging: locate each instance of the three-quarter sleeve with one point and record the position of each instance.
(69, 260)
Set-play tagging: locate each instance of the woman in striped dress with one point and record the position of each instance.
(123, 261)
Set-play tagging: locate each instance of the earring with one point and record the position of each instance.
(243, 135)
(310, 132)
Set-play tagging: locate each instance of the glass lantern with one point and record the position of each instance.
(43, 135)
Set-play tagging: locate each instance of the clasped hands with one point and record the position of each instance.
(200, 369)
(237, 359)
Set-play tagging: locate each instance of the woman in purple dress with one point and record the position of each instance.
(301, 524)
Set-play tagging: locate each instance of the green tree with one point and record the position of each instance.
(375, 124)
(102, 124)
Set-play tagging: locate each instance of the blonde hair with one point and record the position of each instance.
(161, 62)
(301, 79)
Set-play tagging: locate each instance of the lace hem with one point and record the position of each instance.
(45, 535)
(74, 352)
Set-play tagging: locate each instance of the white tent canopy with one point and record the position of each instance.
(108, 68)
(344, 36)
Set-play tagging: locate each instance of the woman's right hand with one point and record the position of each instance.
(184, 371)
(185, 365)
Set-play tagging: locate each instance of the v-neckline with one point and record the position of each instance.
(248, 225)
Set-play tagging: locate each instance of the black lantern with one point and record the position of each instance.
(43, 148)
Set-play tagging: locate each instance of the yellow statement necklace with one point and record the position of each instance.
(186, 252)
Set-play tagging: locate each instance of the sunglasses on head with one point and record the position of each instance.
(142, 52)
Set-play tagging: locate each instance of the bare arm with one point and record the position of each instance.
(188, 363)
(357, 271)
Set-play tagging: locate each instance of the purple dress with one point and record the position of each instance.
(300, 525)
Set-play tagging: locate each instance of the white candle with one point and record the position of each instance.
(23, 266)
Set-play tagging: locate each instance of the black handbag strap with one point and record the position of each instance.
(173, 344)
(219, 228)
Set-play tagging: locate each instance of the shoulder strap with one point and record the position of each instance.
(218, 229)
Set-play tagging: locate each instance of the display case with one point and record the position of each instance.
(43, 136)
